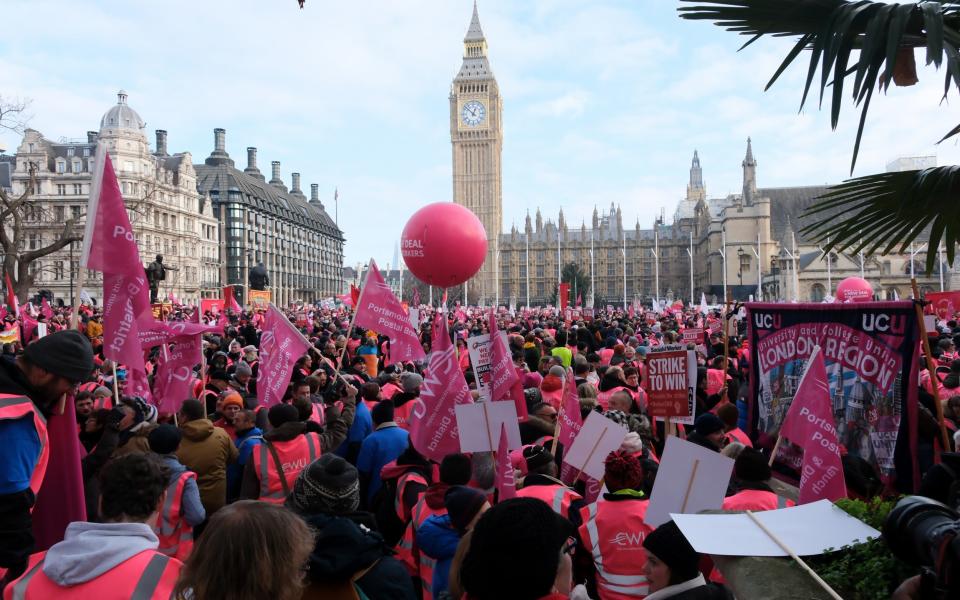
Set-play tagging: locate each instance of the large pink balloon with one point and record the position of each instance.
(444, 244)
(854, 289)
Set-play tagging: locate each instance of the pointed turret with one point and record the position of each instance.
(596, 217)
(527, 226)
(619, 219)
(539, 219)
(474, 32)
(561, 222)
(475, 65)
(695, 189)
(749, 175)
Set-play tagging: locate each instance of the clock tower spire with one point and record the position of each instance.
(476, 135)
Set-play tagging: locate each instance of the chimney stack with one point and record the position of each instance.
(252, 169)
(219, 155)
(275, 167)
(295, 183)
(314, 192)
(92, 137)
(161, 142)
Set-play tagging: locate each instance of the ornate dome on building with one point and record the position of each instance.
(121, 116)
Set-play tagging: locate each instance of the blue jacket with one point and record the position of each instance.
(246, 442)
(382, 446)
(361, 428)
(437, 538)
(190, 505)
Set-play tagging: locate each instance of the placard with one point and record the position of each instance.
(598, 437)
(213, 305)
(690, 479)
(671, 383)
(808, 530)
(41, 330)
(479, 425)
(693, 336)
(259, 298)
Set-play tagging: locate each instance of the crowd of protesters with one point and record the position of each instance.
(324, 496)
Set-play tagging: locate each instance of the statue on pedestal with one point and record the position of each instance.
(258, 278)
(155, 274)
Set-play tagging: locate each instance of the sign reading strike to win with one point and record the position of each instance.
(670, 385)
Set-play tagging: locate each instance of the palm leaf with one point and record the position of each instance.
(895, 209)
(836, 30)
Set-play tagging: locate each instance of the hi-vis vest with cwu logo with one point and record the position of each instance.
(148, 575)
(613, 533)
(14, 407)
(558, 497)
(295, 455)
(175, 534)
(418, 563)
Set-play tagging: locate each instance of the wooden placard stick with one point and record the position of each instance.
(589, 456)
(686, 495)
(934, 388)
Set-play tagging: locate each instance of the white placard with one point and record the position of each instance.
(479, 425)
(41, 330)
(808, 529)
(480, 350)
(415, 317)
(598, 437)
(690, 479)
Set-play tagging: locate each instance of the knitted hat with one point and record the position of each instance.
(232, 398)
(382, 412)
(751, 466)
(165, 439)
(617, 416)
(282, 413)
(143, 413)
(463, 503)
(557, 371)
(329, 485)
(242, 368)
(411, 382)
(102, 391)
(536, 457)
(668, 544)
(515, 546)
(708, 423)
(622, 471)
(66, 354)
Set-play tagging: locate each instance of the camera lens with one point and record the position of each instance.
(915, 528)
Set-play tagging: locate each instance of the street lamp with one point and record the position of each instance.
(740, 264)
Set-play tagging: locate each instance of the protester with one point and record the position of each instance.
(439, 535)
(182, 509)
(387, 442)
(249, 551)
(708, 432)
(102, 431)
(206, 450)
(116, 558)
(249, 436)
(30, 389)
(672, 569)
(541, 483)
(136, 420)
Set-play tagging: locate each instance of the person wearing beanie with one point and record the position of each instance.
(185, 511)
(751, 475)
(348, 549)
(541, 483)
(387, 442)
(440, 534)
(136, 420)
(240, 381)
(613, 531)
(551, 388)
(455, 470)
(672, 569)
(231, 402)
(206, 450)
(519, 549)
(707, 432)
(289, 447)
(405, 400)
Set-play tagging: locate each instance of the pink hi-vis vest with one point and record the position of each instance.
(417, 562)
(756, 500)
(17, 407)
(148, 575)
(558, 497)
(403, 512)
(175, 534)
(613, 533)
(295, 455)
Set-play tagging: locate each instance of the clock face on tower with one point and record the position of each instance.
(473, 113)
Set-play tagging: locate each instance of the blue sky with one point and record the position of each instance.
(605, 100)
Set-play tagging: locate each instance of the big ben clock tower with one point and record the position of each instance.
(476, 133)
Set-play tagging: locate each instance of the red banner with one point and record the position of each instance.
(944, 304)
(668, 383)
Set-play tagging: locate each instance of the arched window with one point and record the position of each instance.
(817, 292)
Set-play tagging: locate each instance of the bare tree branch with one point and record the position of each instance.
(13, 114)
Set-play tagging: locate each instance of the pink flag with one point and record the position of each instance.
(501, 364)
(506, 485)
(281, 345)
(433, 424)
(174, 379)
(125, 306)
(45, 309)
(153, 333)
(570, 424)
(809, 424)
(379, 310)
(138, 385)
(29, 326)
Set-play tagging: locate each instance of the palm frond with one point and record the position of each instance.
(878, 213)
(835, 32)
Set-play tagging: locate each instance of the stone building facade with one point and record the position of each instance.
(168, 216)
(265, 222)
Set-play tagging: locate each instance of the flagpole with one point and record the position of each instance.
(559, 271)
(723, 256)
(690, 252)
(593, 287)
(930, 365)
(624, 252)
(527, 269)
(356, 309)
(656, 260)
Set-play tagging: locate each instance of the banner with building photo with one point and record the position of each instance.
(871, 354)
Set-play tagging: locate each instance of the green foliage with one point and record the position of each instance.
(865, 571)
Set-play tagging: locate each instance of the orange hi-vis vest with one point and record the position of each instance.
(613, 533)
(404, 512)
(738, 435)
(14, 407)
(175, 534)
(148, 575)
(756, 500)
(558, 497)
(294, 456)
(417, 563)
(402, 414)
